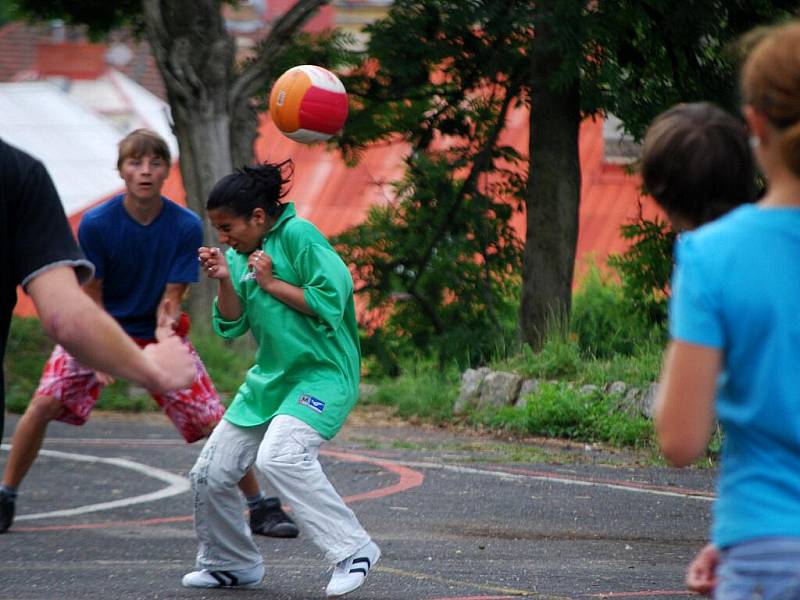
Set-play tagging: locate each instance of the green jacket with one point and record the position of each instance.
(306, 366)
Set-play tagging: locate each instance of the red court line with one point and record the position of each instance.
(475, 598)
(641, 594)
(409, 478)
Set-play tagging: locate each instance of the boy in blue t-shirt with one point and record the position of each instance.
(144, 250)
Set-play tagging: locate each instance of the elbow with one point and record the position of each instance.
(62, 328)
(69, 322)
(678, 448)
(678, 455)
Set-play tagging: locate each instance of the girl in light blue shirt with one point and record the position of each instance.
(735, 339)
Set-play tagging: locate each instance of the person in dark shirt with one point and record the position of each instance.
(39, 252)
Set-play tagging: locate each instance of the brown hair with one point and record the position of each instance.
(142, 142)
(770, 83)
(696, 162)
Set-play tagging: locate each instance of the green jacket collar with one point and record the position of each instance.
(288, 213)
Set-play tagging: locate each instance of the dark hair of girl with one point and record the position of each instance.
(248, 188)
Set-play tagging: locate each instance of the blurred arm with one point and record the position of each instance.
(684, 411)
(74, 320)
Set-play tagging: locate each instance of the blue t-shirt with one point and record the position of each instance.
(736, 287)
(136, 262)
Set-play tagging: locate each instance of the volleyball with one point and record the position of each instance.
(308, 104)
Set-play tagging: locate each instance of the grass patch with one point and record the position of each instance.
(421, 391)
(227, 361)
(561, 359)
(561, 411)
(558, 409)
(26, 352)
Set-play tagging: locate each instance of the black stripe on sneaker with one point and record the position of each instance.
(360, 559)
(225, 578)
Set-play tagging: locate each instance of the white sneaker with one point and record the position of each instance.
(350, 573)
(243, 578)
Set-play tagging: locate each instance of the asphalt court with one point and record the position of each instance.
(106, 513)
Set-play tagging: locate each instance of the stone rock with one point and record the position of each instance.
(647, 401)
(500, 389)
(629, 403)
(589, 389)
(470, 390)
(616, 387)
(367, 390)
(528, 388)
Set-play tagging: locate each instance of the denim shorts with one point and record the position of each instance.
(761, 569)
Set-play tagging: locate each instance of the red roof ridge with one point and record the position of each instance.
(10, 27)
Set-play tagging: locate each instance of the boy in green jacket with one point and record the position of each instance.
(283, 281)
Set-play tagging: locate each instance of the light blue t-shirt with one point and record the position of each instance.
(736, 287)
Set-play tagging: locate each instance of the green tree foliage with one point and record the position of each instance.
(650, 54)
(99, 16)
(8, 12)
(445, 68)
(440, 262)
(439, 265)
(646, 266)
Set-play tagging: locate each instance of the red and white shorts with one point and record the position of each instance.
(194, 411)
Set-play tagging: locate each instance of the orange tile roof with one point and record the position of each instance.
(334, 196)
(18, 57)
(18, 49)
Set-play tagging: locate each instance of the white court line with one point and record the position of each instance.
(554, 478)
(177, 485)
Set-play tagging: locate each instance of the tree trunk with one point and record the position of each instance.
(195, 55)
(244, 131)
(213, 118)
(553, 197)
(204, 159)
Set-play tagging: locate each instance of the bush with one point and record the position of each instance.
(227, 361)
(607, 322)
(422, 390)
(645, 268)
(561, 411)
(26, 352)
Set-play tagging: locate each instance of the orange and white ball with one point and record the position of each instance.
(308, 104)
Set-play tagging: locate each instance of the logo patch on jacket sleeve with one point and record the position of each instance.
(312, 403)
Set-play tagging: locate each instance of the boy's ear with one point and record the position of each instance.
(756, 122)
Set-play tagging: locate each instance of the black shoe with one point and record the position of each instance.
(269, 519)
(6, 512)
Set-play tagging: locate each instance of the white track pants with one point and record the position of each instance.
(287, 452)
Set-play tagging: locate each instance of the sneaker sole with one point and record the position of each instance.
(241, 586)
(280, 531)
